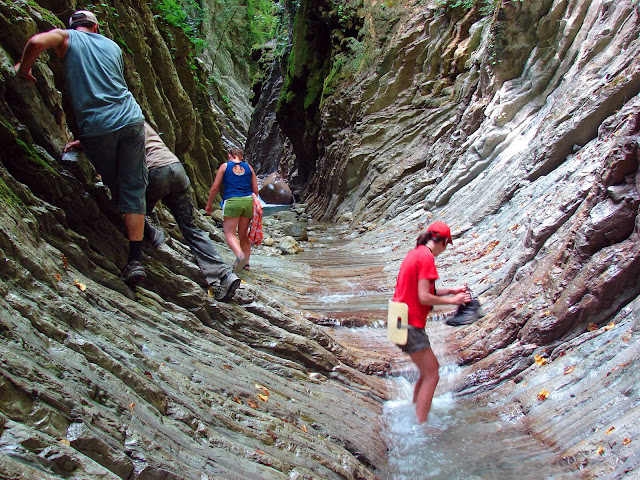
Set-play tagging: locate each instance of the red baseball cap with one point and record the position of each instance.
(441, 229)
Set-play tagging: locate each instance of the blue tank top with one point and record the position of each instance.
(94, 70)
(237, 185)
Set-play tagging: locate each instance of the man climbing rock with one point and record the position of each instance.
(109, 120)
(169, 183)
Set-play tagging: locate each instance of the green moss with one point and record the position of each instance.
(34, 157)
(46, 14)
(7, 195)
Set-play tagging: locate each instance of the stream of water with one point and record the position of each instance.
(466, 438)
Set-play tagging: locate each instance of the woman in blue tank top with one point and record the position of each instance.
(239, 181)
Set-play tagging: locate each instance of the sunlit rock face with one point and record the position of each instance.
(97, 381)
(520, 129)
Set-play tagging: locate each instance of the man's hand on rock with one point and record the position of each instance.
(24, 75)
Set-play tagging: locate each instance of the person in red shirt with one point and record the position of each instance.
(416, 286)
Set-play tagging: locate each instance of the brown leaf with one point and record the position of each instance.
(148, 374)
(58, 277)
(592, 327)
(237, 400)
(304, 428)
(131, 405)
(260, 452)
(227, 367)
(569, 369)
(65, 262)
(252, 404)
(543, 395)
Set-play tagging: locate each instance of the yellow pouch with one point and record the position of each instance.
(398, 322)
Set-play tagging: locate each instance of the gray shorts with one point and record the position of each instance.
(119, 157)
(417, 340)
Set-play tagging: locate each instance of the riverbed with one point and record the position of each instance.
(343, 285)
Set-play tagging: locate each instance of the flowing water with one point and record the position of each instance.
(465, 437)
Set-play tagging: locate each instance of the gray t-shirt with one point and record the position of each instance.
(94, 69)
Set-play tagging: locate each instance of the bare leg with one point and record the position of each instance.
(230, 226)
(416, 389)
(134, 223)
(427, 363)
(243, 233)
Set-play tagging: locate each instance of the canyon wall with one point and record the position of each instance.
(98, 381)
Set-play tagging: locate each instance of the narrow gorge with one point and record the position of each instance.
(515, 121)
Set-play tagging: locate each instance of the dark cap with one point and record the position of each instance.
(441, 229)
(82, 16)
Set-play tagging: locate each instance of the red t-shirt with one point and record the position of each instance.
(419, 264)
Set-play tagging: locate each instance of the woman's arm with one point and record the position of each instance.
(254, 181)
(217, 182)
(451, 296)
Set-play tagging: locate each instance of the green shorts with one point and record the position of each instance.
(235, 207)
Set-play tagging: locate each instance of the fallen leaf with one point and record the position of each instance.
(540, 360)
(592, 327)
(237, 400)
(513, 227)
(626, 441)
(148, 374)
(304, 428)
(609, 430)
(80, 286)
(58, 277)
(610, 326)
(227, 367)
(260, 452)
(262, 397)
(569, 369)
(131, 405)
(546, 313)
(66, 442)
(65, 262)
(252, 404)
(543, 395)
(600, 451)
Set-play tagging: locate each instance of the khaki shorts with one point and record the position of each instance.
(235, 207)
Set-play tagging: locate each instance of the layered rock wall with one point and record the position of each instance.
(97, 381)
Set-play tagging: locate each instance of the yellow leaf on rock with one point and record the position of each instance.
(600, 451)
(540, 360)
(66, 442)
(543, 395)
(610, 326)
(304, 428)
(609, 430)
(626, 441)
(262, 397)
(569, 369)
(81, 286)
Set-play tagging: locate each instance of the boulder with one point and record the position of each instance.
(276, 191)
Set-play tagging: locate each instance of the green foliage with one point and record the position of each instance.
(485, 7)
(7, 195)
(262, 19)
(186, 15)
